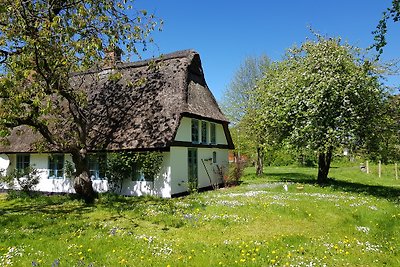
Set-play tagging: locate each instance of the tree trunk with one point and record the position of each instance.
(260, 161)
(324, 163)
(82, 183)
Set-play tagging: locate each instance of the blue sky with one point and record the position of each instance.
(226, 32)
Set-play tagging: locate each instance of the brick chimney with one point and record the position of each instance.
(113, 56)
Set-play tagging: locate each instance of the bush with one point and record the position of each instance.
(235, 173)
(24, 180)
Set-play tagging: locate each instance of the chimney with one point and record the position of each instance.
(113, 56)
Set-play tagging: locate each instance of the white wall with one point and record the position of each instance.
(40, 163)
(179, 158)
(179, 170)
(184, 132)
(160, 187)
(179, 167)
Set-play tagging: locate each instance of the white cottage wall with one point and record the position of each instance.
(160, 187)
(179, 170)
(179, 158)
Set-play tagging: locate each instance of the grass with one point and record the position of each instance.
(353, 221)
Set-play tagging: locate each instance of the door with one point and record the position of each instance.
(192, 169)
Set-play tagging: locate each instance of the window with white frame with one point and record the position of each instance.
(139, 175)
(97, 166)
(23, 161)
(56, 166)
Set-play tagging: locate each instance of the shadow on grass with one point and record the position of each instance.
(380, 191)
(390, 193)
(292, 177)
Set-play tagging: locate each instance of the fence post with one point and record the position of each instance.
(367, 167)
(395, 171)
(380, 169)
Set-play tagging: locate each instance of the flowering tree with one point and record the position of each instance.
(41, 43)
(323, 95)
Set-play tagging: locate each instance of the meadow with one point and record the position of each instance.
(280, 219)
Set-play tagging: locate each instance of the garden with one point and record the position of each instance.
(280, 219)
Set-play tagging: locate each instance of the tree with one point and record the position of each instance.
(237, 105)
(321, 96)
(393, 13)
(385, 143)
(41, 43)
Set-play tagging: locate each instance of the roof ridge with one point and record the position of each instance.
(140, 63)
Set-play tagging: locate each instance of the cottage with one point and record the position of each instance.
(160, 105)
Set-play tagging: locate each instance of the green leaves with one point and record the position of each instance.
(321, 96)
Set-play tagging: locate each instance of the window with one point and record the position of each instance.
(214, 158)
(139, 175)
(213, 135)
(192, 168)
(23, 161)
(195, 131)
(204, 132)
(56, 166)
(97, 166)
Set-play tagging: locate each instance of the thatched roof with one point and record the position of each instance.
(138, 106)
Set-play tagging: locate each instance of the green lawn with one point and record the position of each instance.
(354, 221)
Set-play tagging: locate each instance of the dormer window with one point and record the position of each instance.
(204, 132)
(213, 134)
(195, 131)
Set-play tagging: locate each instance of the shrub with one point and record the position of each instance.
(235, 173)
(24, 180)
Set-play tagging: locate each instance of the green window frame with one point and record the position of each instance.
(195, 131)
(192, 168)
(204, 132)
(214, 157)
(56, 166)
(213, 134)
(23, 162)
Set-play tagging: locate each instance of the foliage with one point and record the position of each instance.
(125, 165)
(350, 223)
(236, 97)
(239, 109)
(391, 13)
(235, 173)
(322, 96)
(41, 43)
(385, 143)
(25, 180)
